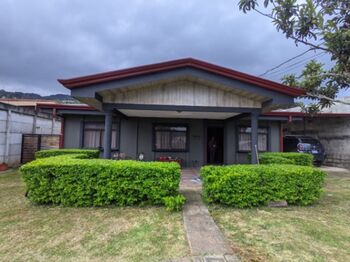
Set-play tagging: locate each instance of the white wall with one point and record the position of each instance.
(14, 122)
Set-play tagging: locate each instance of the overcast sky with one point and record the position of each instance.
(41, 41)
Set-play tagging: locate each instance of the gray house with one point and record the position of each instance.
(187, 110)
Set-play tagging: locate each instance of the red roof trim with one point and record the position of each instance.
(306, 114)
(187, 62)
(67, 106)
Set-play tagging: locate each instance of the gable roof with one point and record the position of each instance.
(176, 64)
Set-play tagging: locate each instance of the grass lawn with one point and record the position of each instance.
(315, 233)
(43, 233)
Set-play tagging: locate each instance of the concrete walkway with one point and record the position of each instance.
(205, 239)
(334, 169)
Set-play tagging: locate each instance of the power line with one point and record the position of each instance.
(296, 64)
(287, 61)
(290, 68)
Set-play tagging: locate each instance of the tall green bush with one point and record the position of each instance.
(71, 181)
(256, 185)
(89, 153)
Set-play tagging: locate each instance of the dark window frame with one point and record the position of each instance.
(116, 129)
(154, 125)
(268, 134)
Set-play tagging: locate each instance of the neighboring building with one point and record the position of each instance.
(186, 109)
(19, 119)
(26, 103)
(331, 126)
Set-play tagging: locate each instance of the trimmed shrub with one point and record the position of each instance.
(174, 203)
(275, 159)
(90, 153)
(71, 181)
(255, 185)
(300, 159)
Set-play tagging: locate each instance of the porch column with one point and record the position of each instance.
(254, 136)
(107, 143)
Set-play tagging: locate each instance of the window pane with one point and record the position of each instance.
(244, 129)
(171, 128)
(92, 139)
(244, 142)
(262, 130)
(262, 142)
(178, 141)
(114, 138)
(94, 135)
(98, 125)
(162, 140)
(170, 138)
(244, 139)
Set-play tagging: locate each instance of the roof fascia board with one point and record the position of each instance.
(112, 106)
(174, 64)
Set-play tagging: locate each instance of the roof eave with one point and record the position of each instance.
(159, 67)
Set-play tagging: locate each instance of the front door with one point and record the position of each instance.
(215, 145)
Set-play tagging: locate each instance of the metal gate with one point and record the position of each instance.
(35, 142)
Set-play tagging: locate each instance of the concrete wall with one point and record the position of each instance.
(136, 137)
(333, 133)
(15, 121)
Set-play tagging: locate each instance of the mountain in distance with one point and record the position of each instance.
(20, 95)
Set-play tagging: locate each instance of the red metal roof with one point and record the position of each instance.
(175, 64)
(66, 106)
(283, 113)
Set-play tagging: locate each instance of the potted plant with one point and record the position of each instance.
(3, 166)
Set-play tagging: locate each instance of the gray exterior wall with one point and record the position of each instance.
(16, 121)
(333, 133)
(73, 126)
(136, 137)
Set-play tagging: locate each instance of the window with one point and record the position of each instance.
(244, 139)
(170, 138)
(94, 134)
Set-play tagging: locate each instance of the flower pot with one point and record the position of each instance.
(3, 167)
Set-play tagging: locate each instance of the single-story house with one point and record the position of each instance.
(185, 109)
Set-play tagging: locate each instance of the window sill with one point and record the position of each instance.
(248, 151)
(169, 151)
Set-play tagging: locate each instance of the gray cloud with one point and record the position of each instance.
(41, 41)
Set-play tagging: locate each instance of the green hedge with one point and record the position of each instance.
(90, 153)
(72, 181)
(300, 159)
(256, 185)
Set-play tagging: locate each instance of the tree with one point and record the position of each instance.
(322, 25)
